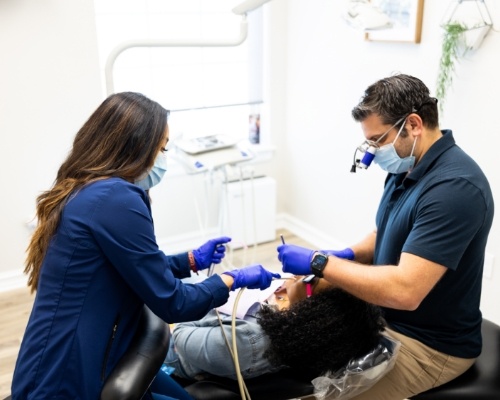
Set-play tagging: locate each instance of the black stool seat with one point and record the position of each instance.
(482, 380)
(134, 372)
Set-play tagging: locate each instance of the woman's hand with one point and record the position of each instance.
(253, 277)
(212, 252)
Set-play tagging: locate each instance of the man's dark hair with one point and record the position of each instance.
(323, 332)
(395, 97)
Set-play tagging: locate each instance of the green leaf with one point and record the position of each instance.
(452, 39)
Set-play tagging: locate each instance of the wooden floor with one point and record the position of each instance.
(15, 306)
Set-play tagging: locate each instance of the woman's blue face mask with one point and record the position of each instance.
(154, 176)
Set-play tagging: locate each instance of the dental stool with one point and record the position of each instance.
(482, 380)
(136, 370)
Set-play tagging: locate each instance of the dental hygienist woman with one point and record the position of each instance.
(94, 260)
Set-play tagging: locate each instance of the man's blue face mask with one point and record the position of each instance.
(389, 160)
(386, 156)
(156, 173)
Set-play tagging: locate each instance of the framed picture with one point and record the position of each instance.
(406, 17)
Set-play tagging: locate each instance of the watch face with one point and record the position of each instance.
(318, 264)
(319, 260)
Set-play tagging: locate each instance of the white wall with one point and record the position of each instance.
(316, 72)
(328, 66)
(49, 85)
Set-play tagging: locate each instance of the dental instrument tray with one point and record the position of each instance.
(211, 160)
(203, 144)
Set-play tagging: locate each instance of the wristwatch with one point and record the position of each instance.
(318, 264)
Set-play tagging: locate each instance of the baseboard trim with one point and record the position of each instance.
(12, 280)
(317, 238)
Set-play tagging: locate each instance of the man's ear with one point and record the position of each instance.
(416, 125)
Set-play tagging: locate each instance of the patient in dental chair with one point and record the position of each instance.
(315, 334)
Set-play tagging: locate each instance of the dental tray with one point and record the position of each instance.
(203, 144)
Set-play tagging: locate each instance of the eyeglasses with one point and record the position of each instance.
(369, 148)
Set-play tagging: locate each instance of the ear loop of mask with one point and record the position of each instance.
(399, 132)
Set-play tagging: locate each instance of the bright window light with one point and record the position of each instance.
(209, 90)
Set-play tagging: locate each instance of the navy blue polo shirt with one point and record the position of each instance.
(442, 211)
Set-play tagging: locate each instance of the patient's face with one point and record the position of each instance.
(293, 290)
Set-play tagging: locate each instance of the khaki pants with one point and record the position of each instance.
(417, 369)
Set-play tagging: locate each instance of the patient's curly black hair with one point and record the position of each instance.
(323, 332)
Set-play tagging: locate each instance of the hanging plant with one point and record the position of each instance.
(452, 50)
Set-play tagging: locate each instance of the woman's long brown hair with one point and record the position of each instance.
(121, 138)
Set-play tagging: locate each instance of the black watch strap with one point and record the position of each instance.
(318, 264)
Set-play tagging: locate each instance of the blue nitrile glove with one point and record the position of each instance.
(212, 252)
(346, 254)
(253, 277)
(295, 259)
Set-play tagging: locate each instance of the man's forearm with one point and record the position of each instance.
(364, 250)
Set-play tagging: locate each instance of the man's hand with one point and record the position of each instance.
(295, 259)
(346, 254)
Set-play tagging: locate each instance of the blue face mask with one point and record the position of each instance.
(156, 173)
(388, 159)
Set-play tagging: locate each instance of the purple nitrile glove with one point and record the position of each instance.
(346, 254)
(212, 252)
(295, 259)
(253, 277)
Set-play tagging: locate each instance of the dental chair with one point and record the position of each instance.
(480, 382)
(136, 370)
(282, 385)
